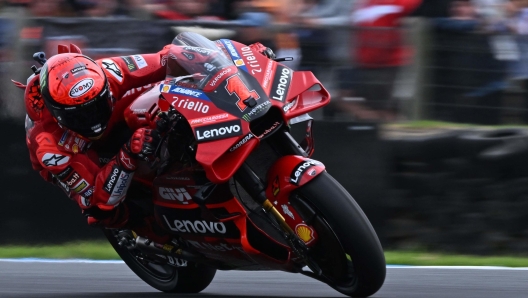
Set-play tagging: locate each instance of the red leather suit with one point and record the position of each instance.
(78, 165)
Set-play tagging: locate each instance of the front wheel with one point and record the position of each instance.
(348, 249)
(192, 278)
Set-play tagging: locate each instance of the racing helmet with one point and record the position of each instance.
(76, 92)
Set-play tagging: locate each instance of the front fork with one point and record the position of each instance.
(256, 188)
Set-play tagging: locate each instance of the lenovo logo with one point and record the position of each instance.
(196, 226)
(110, 182)
(218, 131)
(281, 84)
(300, 169)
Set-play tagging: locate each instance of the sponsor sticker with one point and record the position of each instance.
(231, 49)
(207, 119)
(72, 179)
(80, 186)
(184, 91)
(111, 180)
(65, 174)
(88, 193)
(287, 211)
(53, 159)
(126, 161)
(196, 226)
(201, 51)
(281, 83)
(302, 167)
(242, 142)
(175, 194)
(256, 110)
(140, 61)
(288, 106)
(113, 69)
(189, 56)
(269, 130)
(251, 60)
(81, 87)
(130, 63)
(120, 187)
(77, 69)
(216, 246)
(219, 76)
(305, 233)
(218, 131)
(189, 104)
(267, 75)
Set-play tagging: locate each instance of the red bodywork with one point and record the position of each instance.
(229, 239)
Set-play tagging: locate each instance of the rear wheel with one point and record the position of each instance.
(348, 250)
(192, 278)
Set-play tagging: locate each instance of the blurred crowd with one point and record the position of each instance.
(485, 58)
(316, 33)
(360, 49)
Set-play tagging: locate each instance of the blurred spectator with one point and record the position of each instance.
(517, 11)
(255, 28)
(181, 10)
(380, 51)
(46, 8)
(471, 77)
(324, 37)
(325, 41)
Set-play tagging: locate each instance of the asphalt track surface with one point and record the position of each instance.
(47, 279)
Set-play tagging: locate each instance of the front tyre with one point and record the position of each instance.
(348, 249)
(190, 279)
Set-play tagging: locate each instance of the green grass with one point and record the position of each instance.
(438, 259)
(430, 124)
(75, 250)
(103, 251)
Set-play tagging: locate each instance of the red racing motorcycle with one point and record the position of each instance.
(231, 189)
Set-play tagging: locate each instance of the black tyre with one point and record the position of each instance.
(190, 279)
(348, 250)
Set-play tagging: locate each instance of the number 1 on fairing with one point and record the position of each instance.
(236, 86)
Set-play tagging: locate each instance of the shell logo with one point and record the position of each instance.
(305, 233)
(165, 89)
(239, 62)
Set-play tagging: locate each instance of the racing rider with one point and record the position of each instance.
(76, 129)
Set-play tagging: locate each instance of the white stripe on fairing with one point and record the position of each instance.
(37, 260)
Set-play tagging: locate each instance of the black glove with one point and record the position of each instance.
(269, 53)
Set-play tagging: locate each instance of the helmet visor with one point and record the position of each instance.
(89, 119)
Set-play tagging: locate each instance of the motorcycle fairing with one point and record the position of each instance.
(286, 175)
(226, 238)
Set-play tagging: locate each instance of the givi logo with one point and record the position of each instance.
(173, 194)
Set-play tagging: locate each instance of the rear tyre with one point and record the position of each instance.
(190, 279)
(348, 250)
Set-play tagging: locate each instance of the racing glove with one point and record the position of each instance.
(258, 47)
(113, 219)
(142, 145)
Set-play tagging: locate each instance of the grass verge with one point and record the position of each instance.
(103, 251)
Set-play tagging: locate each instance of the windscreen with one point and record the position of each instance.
(195, 61)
